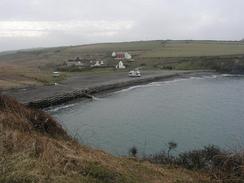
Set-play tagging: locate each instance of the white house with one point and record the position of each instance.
(120, 65)
(74, 63)
(97, 64)
(114, 54)
(128, 56)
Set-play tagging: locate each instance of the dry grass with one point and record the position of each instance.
(16, 116)
(17, 76)
(13, 76)
(31, 152)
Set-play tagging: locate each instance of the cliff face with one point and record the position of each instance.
(35, 148)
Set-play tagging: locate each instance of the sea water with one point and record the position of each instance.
(193, 112)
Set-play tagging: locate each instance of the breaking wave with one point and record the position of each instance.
(55, 109)
(161, 83)
(232, 75)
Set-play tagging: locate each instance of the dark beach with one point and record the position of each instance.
(85, 85)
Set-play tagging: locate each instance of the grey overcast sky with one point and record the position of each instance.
(46, 23)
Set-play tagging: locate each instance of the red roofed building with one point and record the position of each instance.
(121, 55)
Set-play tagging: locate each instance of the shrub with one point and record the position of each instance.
(133, 151)
(223, 166)
(206, 158)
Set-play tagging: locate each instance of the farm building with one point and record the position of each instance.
(98, 64)
(84, 62)
(74, 63)
(121, 55)
(120, 65)
(128, 56)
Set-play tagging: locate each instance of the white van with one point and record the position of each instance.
(134, 73)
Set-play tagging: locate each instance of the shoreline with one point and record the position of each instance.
(86, 86)
(100, 89)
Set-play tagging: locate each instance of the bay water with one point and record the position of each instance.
(193, 112)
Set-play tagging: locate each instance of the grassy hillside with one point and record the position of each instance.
(35, 148)
(140, 49)
(37, 65)
(195, 48)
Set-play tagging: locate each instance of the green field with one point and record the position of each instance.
(140, 49)
(189, 49)
(147, 54)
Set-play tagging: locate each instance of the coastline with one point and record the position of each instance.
(53, 96)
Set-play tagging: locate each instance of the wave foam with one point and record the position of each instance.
(159, 84)
(232, 75)
(60, 108)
